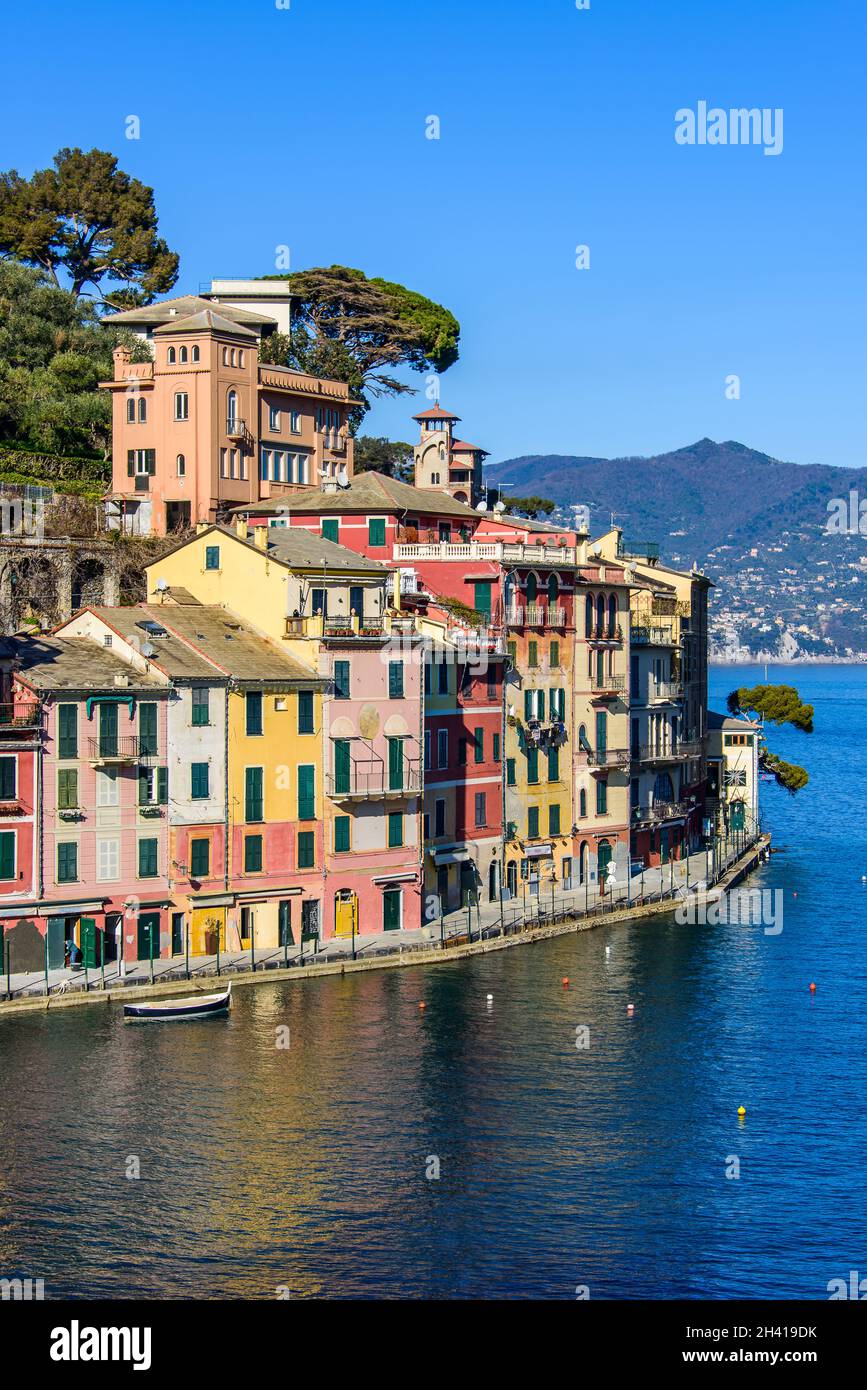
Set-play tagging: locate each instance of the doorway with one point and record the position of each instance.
(148, 936)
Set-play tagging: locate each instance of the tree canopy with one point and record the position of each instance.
(53, 352)
(87, 220)
(374, 453)
(776, 704)
(361, 330)
(532, 506)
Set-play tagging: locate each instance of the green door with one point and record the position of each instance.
(56, 942)
(87, 937)
(468, 885)
(605, 853)
(356, 599)
(108, 731)
(148, 935)
(482, 599)
(391, 909)
(601, 731)
(342, 766)
(737, 814)
(395, 764)
(177, 933)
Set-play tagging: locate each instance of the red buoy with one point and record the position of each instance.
(812, 988)
(565, 981)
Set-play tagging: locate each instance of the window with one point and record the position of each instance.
(153, 786)
(533, 822)
(342, 834)
(182, 405)
(232, 403)
(182, 466)
(442, 679)
(306, 850)
(442, 747)
(582, 803)
(557, 703)
(130, 410)
(612, 615)
(532, 653)
(588, 616)
(601, 797)
(553, 764)
(8, 779)
(171, 356)
(200, 858)
(108, 859)
(140, 462)
(482, 598)
(331, 528)
(510, 772)
(295, 422)
(478, 745)
(253, 794)
(142, 411)
(532, 765)
(462, 752)
(554, 820)
(212, 557)
(183, 354)
(553, 589)
(495, 753)
(67, 863)
(147, 858)
(341, 680)
(67, 788)
(532, 588)
(147, 729)
(395, 829)
(395, 680)
(254, 712)
(306, 791)
(274, 418)
(439, 818)
(107, 788)
(67, 731)
(200, 705)
(554, 655)
(427, 749)
(305, 712)
(253, 854)
(199, 781)
(195, 353)
(427, 678)
(481, 809)
(395, 764)
(376, 531)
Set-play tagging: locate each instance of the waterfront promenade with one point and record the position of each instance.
(658, 886)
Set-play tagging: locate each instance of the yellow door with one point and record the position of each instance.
(345, 913)
(207, 926)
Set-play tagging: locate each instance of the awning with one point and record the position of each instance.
(60, 909)
(538, 852)
(451, 856)
(211, 899)
(396, 878)
(109, 700)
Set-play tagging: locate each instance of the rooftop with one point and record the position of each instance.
(183, 306)
(76, 663)
(205, 321)
(367, 492)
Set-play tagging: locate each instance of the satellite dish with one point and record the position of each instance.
(147, 649)
(342, 476)
(482, 506)
(162, 585)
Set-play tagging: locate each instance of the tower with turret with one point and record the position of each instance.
(444, 463)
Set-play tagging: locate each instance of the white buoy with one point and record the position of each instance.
(608, 950)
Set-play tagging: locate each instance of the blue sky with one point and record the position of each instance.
(306, 127)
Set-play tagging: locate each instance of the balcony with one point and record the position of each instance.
(368, 779)
(607, 757)
(236, 428)
(653, 635)
(515, 553)
(638, 550)
(607, 687)
(550, 616)
(333, 441)
(120, 751)
(660, 811)
(677, 753)
(604, 633)
(19, 718)
(337, 630)
(664, 691)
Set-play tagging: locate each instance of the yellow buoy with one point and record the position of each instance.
(741, 1110)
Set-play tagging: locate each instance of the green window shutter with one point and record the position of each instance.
(67, 863)
(108, 730)
(7, 855)
(553, 820)
(391, 899)
(532, 764)
(496, 748)
(253, 809)
(143, 787)
(341, 834)
(151, 461)
(395, 680)
(479, 745)
(533, 822)
(200, 705)
(553, 764)
(254, 712)
(147, 858)
(199, 781)
(482, 597)
(200, 858)
(376, 531)
(512, 649)
(510, 772)
(8, 779)
(554, 656)
(162, 786)
(532, 653)
(253, 854)
(342, 766)
(306, 849)
(130, 463)
(306, 792)
(67, 737)
(67, 788)
(305, 712)
(395, 764)
(601, 731)
(147, 729)
(395, 829)
(341, 680)
(601, 797)
(331, 528)
(528, 704)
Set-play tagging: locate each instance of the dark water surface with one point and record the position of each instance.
(304, 1168)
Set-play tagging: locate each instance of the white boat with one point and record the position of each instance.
(164, 1010)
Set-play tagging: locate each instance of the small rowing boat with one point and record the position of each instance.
(164, 1010)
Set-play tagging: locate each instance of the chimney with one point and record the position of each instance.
(202, 526)
(260, 536)
(241, 528)
(122, 358)
(581, 539)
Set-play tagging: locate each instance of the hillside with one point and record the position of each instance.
(785, 585)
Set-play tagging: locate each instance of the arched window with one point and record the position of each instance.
(553, 589)
(231, 407)
(130, 410)
(663, 789)
(532, 588)
(182, 466)
(582, 862)
(600, 615)
(170, 356)
(142, 411)
(582, 803)
(612, 615)
(183, 354)
(195, 352)
(588, 616)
